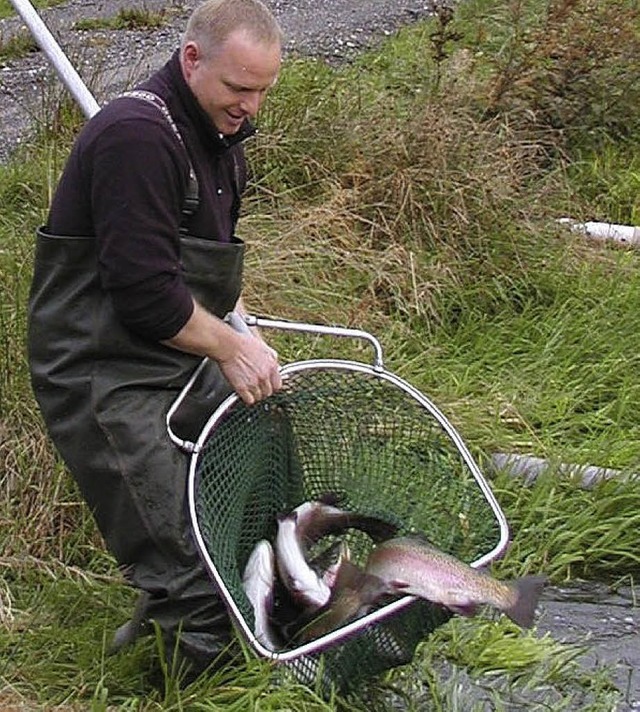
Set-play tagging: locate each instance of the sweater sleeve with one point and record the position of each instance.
(138, 176)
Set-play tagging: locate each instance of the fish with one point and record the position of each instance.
(305, 525)
(354, 593)
(303, 583)
(286, 611)
(258, 581)
(323, 516)
(418, 568)
(330, 568)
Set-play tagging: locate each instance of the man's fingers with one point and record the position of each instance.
(254, 373)
(257, 392)
(275, 381)
(246, 396)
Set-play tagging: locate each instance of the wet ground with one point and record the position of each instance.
(605, 620)
(607, 623)
(600, 673)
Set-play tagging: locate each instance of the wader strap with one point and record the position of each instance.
(192, 199)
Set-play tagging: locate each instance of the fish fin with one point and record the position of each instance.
(528, 589)
(348, 575)
(331, 499)
(398, 586)
(467, 611)
(331, 571)
(351, 577)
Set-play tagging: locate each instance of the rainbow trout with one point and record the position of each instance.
(304, 526)
(416, 567)
(353, 594)
(258, 581)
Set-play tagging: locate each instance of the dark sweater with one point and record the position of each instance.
(125, 183)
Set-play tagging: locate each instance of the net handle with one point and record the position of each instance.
(242, 323)
(236, 322)
(260, 322)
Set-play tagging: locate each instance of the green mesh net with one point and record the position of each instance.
(361, 437)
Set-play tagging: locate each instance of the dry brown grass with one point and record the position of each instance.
(41, 512)
(422, 211)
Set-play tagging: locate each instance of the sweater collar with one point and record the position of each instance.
(204, 126)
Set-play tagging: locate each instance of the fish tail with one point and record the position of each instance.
(378, 529)
(331, 499)
(528, 589)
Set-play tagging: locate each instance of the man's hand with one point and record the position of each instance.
(247, 362)
(252, 369)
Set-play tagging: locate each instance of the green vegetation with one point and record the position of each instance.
(125, 19)
(414, 194)
(7, 9)
(17, 46)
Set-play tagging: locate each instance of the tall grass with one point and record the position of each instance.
(435, 206)
(413, 193)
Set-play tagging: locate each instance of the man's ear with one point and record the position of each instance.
(190, 56)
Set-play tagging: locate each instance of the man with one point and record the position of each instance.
(134, 272)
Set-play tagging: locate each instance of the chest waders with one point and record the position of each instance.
(104, 393)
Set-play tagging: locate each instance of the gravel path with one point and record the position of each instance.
(109, 61)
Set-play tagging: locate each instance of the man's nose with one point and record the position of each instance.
(251, 102)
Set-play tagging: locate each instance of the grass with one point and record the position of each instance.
(415, 194)
(71, 615)
(599, 175)
(17, 46)
(125, 19)
(570, 532)
(7, 9)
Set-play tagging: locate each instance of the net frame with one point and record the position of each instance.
(308, 650)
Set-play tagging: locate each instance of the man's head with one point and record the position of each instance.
(230, 57)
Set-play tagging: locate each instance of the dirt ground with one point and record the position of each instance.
(110, 61)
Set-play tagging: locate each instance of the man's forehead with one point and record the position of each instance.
(251, 64)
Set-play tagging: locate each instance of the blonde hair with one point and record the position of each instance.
(213, 21)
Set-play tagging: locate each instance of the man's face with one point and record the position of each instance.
(231, 84)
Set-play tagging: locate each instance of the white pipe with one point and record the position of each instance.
(530, 468)
(627, 234)
(57, 57)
